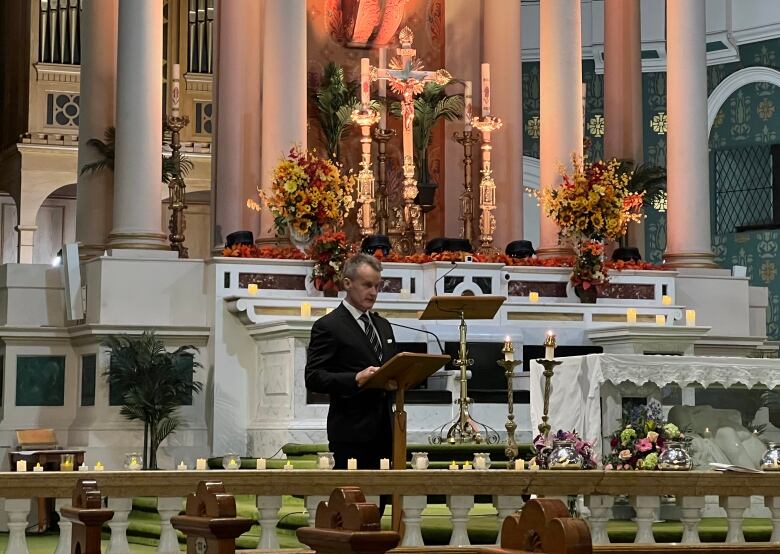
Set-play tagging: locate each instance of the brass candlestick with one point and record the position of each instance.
(382, 136)
(511, 449)
(365, 118)
(177, 187)
(487, 187)
(549, 369)
(467, 139)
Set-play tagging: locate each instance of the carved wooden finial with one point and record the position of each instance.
(545, 525)
(406, 37)
(348, 510)
(86, 495)
(211, 500)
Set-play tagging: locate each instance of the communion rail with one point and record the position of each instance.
(506, 487)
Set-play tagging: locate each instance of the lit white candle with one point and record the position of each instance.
(305, 310)
(365, 83)
(467, 465)
(485, 88)
(666, 300)
(532, 465)
(200, 464)
(631, 316)
(251, 289)
(660, 319)
(519, 465)
(453, 466)
(323, 462)
(421, 463)
(232, 464)
(260, 464)
(83, 467)
(21, 465)
(99, 466)
(479, 463)
(175, 91)
(182, 466)
(509, 350)
(384, 463)
(690, 318)
(468, 106)
(549, 346)
(288, 466)
(533, 297)
(382, 89)
(405, 294)
(38, 467)
(352, 463)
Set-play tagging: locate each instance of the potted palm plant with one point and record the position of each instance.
(432, 105)
(152, 383)
(643, 178)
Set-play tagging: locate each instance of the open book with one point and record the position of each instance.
(728, 467)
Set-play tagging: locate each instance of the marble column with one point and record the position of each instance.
(623, 90)
(561, 117)
(138, 164)
(284, 89)
(95, 191)
(502, 49)
(235, 164)
(688, 242)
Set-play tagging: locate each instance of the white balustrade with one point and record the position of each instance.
(168, 507)
(735, 507)
(600, 513)
(505, 506)
(268, 507)
(412, 518)
(118, 524)
(460, 506)
(691, 508)
(66, 527)
(646, 508)
(773, 503)
(18, 509)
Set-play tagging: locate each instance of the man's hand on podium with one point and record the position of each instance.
(362, 376)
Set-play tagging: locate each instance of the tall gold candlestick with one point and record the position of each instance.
(467, 139)
(176, 187)
(366, 118)
(509, 364)
(382, 136)
(487, 187)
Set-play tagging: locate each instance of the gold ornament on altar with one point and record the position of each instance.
(487, 187)
(365, 118)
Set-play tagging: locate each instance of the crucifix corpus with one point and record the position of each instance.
(407, 78)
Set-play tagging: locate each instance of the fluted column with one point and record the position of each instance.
(237, 98)
(502, 47)
(623, 90)
(95, 191)
(561, 102)
(688, 242)
(284, 88)
(138, 164)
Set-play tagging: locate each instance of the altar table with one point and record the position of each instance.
(587, 391)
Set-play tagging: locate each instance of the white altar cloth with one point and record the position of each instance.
(578, 384)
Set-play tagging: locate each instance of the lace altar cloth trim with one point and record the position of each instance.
(683, 370)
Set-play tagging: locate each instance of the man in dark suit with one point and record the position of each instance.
(347, 346)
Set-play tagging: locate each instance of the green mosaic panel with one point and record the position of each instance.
(88, 378)
(40, 380)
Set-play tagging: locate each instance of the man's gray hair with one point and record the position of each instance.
(351, 265)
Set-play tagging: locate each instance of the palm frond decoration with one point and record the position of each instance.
(153, 383)
(432, 105)
(647, 178)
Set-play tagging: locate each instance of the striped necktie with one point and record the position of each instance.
(372, 335)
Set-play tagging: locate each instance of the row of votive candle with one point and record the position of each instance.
(660, 319)
(21, 465)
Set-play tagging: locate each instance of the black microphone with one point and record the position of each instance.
(434, 335)
(450, 270)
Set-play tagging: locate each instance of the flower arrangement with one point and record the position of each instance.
(544, 445)
(641, 439)
(308, 192)
(329, 252)
(593, 205)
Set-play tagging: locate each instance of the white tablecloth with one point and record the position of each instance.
(575, 401)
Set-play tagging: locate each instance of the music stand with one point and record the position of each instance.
(407, 369)
(463, 307)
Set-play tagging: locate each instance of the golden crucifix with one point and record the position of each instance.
(407, 78)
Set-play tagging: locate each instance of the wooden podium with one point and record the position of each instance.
(407, 369)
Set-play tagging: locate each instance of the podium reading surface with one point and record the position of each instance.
(468, 307)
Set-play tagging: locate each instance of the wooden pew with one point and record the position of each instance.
(88, 516)
(677, 548)
(210, 521)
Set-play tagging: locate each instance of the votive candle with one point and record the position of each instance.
(352, 463)
(67, 465)
(38, 467)
(384, 463)
(21, 465)
(305, 310)
(690, 318)
(519, 465)
(200, 464)
(260, 464)
(660, 319)
(182, 466)
(666, 300)
(288, 466)
(405, 294)
(467, 465)
(533, 297)
(631, 316)
(83, 467)
(99, 466)
(251, 289)
(453, 466)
